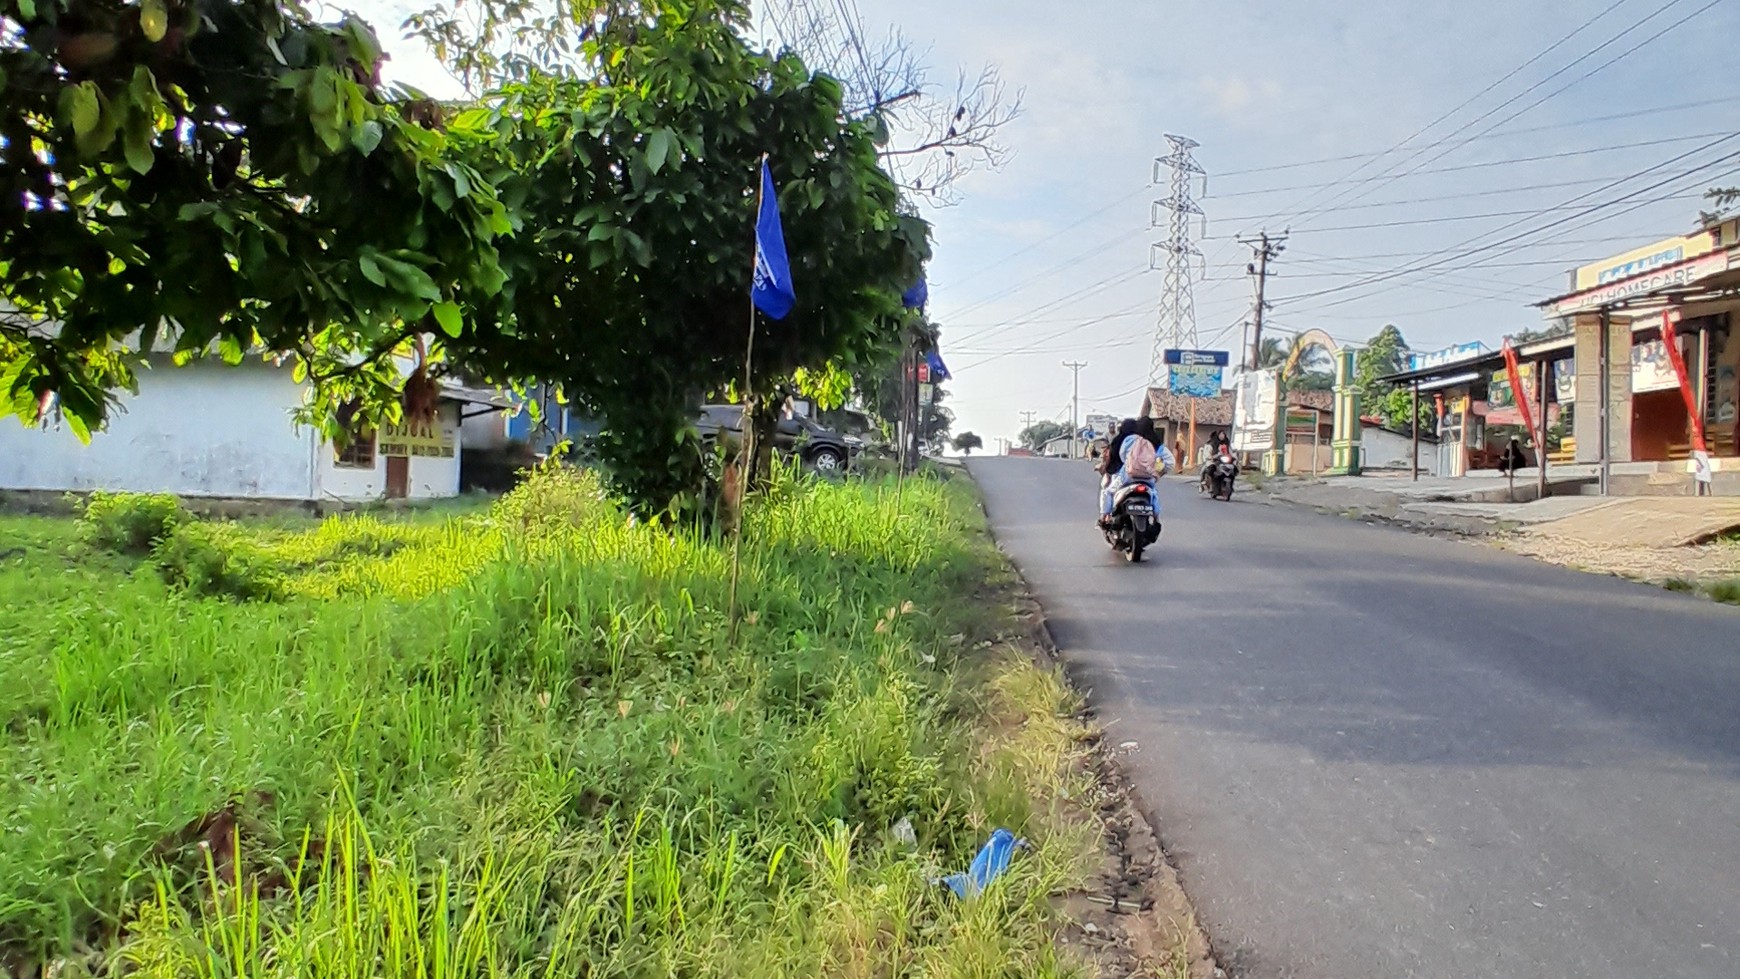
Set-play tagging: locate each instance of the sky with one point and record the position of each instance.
(1379, 137)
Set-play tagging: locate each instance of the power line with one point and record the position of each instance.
(1510, 161)
(1477, 96)
(1017, 253)
(1572, 124)
(1106, 283)
(1549, 226)
(1051, 270)
(1561, 89)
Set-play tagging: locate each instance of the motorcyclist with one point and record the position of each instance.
(1117, 478)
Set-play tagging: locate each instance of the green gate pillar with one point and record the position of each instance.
(1344, 442)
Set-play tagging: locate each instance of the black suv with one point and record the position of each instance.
(820, 448)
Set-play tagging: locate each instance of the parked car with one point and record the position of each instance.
(819, 447)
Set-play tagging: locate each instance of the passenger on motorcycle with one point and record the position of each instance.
(1117, 469)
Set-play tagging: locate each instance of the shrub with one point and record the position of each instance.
(552, 496)
(1726, 591)
(130, 523)
(217, 560)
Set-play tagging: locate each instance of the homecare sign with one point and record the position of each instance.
(1638, 266)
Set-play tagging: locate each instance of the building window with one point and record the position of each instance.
(358, 451)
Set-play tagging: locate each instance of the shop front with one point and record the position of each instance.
(1655, 400)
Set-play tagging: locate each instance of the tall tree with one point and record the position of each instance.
(588, 226)
(232, 171)
(1037, 434)
(966, 442)
(1384, 354)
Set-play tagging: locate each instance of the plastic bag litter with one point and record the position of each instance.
(992, 860)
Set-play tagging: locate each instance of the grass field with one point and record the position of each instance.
(520, 742)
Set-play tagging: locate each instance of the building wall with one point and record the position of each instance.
(430, 477)
(1381, 448)
(209, 429)
(488, 430)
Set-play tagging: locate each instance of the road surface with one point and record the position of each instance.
(1377, 755)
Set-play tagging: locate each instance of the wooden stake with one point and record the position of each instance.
(746, 450)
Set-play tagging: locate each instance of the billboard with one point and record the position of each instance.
(1195, 373)
(1449, 355)
(1256, 400)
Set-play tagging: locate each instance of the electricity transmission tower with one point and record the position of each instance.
(1177, 321)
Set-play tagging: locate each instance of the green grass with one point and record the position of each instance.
(517, 742)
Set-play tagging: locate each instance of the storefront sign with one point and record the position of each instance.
(1449, 355)
(1667, 277)
(1195, 373)
(1640, 265)
(425, 439)
(1255, 404)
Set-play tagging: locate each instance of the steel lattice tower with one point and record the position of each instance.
(1177, 320)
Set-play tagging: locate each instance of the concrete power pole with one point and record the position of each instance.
(1263, 248)
(1075, 367)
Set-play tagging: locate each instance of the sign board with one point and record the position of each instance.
(926, 393)
(1664, 277)
(1102, 425)
(1195, 373)
(924, 372)
(430, 438)
(1449, 355)
(1651, 370)
(1256, 398)
(1653, 257)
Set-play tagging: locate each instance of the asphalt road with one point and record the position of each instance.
(1378, 755)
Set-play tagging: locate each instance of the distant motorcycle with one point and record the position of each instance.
(1135, 522)
(1218, 476)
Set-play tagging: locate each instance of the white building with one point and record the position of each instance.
(210, 429)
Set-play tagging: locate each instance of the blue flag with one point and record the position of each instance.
(939, 371)
(917, 296)
(772, 292)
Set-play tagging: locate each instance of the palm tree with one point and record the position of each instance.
(1273, 352)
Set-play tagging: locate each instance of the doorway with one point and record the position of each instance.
(398, 477)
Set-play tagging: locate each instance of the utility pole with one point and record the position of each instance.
(1075, 367)
(1263, 249)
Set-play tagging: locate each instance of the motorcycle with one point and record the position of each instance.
(1135, 522)
(1218, 477)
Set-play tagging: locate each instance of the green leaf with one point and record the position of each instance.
(83, 110)
(79, 426)
(27, 9)
(658, 149)
(153, 20)
(371, 270)
(137, 143)
(366, 137)
(409, 278)
(447, 314)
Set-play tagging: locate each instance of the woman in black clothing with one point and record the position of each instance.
(1113, 461)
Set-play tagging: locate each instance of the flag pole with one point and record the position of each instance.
(747, 450)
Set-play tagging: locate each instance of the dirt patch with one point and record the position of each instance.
(1136, 920)
(1698, 563)
(1133, 918)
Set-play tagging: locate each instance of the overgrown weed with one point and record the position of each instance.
(518, 743)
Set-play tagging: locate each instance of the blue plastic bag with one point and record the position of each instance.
(992, 860)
